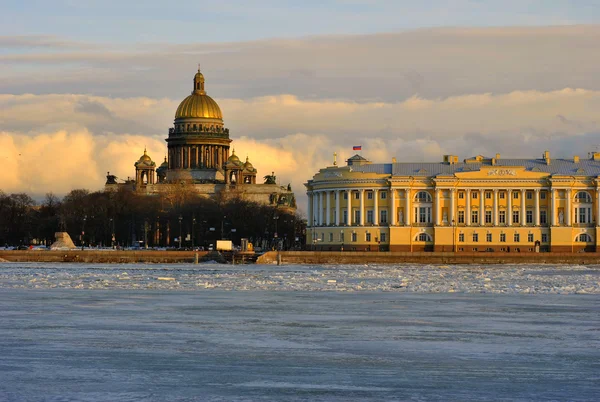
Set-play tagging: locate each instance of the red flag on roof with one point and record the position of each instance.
(357, 148)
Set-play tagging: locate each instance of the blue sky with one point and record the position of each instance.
(112, 21)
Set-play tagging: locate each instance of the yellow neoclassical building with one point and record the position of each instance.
(479, 204)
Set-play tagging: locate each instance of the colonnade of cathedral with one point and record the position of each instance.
(198, 156)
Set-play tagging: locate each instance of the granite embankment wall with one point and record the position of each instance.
(303, 257)
(107, 256)
(337, 257)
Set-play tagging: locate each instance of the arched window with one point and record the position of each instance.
(423, 237)
(583, 208)
(422, 208)
(583, 197)
(583, 238)
(423, 196)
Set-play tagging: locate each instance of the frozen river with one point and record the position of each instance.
(333, 333)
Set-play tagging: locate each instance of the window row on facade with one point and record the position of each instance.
(462, 207)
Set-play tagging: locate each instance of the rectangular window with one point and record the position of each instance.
(488, 195)
(529, 217)
(461, 216)
(345, 195)
(424, 215)
(461, 237)
(383, 214)
(543, 220)
(502, 217)
(582, 214)
(383, 195)
(515, 195)
(382, 237)
(530, 237)
(368, 237)
(475, 237)
(516, 237)
(529, 195)
(474, 216)
(341, 237)
(345, 217)
(357, 195)
(488, 217)
(370, 216)
(502, 195)
(369, 195)
(515, 216)
(357, 216)
(474, 195)
(544, 238)
(353, 237)
(330, 237)
(502, 237)
(488, 237)
(543, 195)
(322, 236)
(461, 195)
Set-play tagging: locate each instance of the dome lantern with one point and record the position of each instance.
(199, 83)
(199, 104)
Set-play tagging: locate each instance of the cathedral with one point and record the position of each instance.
(198, 154)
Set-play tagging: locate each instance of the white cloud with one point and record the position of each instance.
(59, 142)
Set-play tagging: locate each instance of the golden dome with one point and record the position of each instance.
(145, 157)
(199, 104)
(248, 165)
(233, 159)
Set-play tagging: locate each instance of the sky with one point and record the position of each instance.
(86, 85)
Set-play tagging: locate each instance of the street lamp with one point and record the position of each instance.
(111, 223)
(83, 230)
(276, 218)
(193, 226)
(180, 234)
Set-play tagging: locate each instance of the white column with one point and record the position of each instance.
(321, 193)
(568, 207)
(523, 208)
(328, 208)
(338, 193)
(495, 210)
(597, 206)
(536, 211)
(375, 207)
(349, 207)
(315, 208)
(451, 215)
(482, 207)
(509, 207)
(392, 207)
(552, 193)
(407, 210)
(362, 206)
(468, 208)
(310, 208)
(437, 207)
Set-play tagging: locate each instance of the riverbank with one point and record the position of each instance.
(341, 257)
(297, 257)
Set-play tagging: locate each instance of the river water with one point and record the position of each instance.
(82, 332)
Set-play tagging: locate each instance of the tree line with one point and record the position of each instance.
(177, 217)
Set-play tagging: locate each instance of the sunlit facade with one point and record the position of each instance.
(479, 204)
